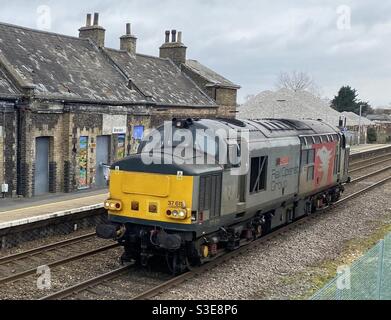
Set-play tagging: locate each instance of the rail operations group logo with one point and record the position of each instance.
(184, 146)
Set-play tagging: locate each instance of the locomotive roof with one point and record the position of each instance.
(270, 128)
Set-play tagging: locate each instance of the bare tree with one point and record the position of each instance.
(296, 81)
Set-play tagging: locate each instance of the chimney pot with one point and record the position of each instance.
(175, 51)
(96, 19)
(167, 36)
(173, 32)
(95, 33)
(128, 41)
(88, 23)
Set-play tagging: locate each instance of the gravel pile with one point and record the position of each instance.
(285, 267)
(285, 103)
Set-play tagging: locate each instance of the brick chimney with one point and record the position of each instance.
(129, 41)
(174, 50)
(93, 32)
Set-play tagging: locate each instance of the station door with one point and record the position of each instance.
(102, 159)
(41, 182)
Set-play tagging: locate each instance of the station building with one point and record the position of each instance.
(69, 105)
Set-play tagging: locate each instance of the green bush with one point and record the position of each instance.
(372, 135)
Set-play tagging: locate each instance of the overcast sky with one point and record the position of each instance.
(250, 42)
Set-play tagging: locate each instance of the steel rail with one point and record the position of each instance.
(67, 292)
(354, 163)
(369, 165)
(370, 174)
(31, 271)
(44, 248)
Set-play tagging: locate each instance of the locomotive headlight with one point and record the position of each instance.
(179, 214)
(113, 205)
(182, 214)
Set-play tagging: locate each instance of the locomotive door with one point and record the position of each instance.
(102, 160)
(41, 179)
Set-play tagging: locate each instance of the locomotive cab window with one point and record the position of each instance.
(258, 174)
(307, 157)
(310, 173)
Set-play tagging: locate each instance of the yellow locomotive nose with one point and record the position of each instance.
(153, 197)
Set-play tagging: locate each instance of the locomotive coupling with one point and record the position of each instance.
(167, 241)
(110, 231)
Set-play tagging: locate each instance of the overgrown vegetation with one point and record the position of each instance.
(372, 135)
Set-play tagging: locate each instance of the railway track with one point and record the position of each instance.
(18, 266)
(362, 164)
(175, 281)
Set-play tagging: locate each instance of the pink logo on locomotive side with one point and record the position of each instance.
(324, 163)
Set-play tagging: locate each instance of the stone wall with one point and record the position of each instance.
(8, 146)
(225, 98)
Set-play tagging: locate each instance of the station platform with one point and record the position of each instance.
(17, 212)
(364, 148)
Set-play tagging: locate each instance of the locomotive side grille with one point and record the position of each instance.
(210, 194)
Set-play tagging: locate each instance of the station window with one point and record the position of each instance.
(258, 174)
(310, 173)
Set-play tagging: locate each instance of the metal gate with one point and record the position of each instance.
(41, 182)
(102, 159)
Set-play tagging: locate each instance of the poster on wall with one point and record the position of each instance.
(83, 158)
(121, 146)
(138, 133)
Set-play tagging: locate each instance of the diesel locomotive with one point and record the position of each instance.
(190, 212)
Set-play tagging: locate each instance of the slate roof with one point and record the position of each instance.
(379, 117)
(297, 105)
(354, 119)
(212, 77)
(160, 79)
(7, 88)
(62, 66)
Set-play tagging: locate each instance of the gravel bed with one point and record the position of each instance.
(125, 287)
(43, 241)
(63, 276)
(285, 267)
